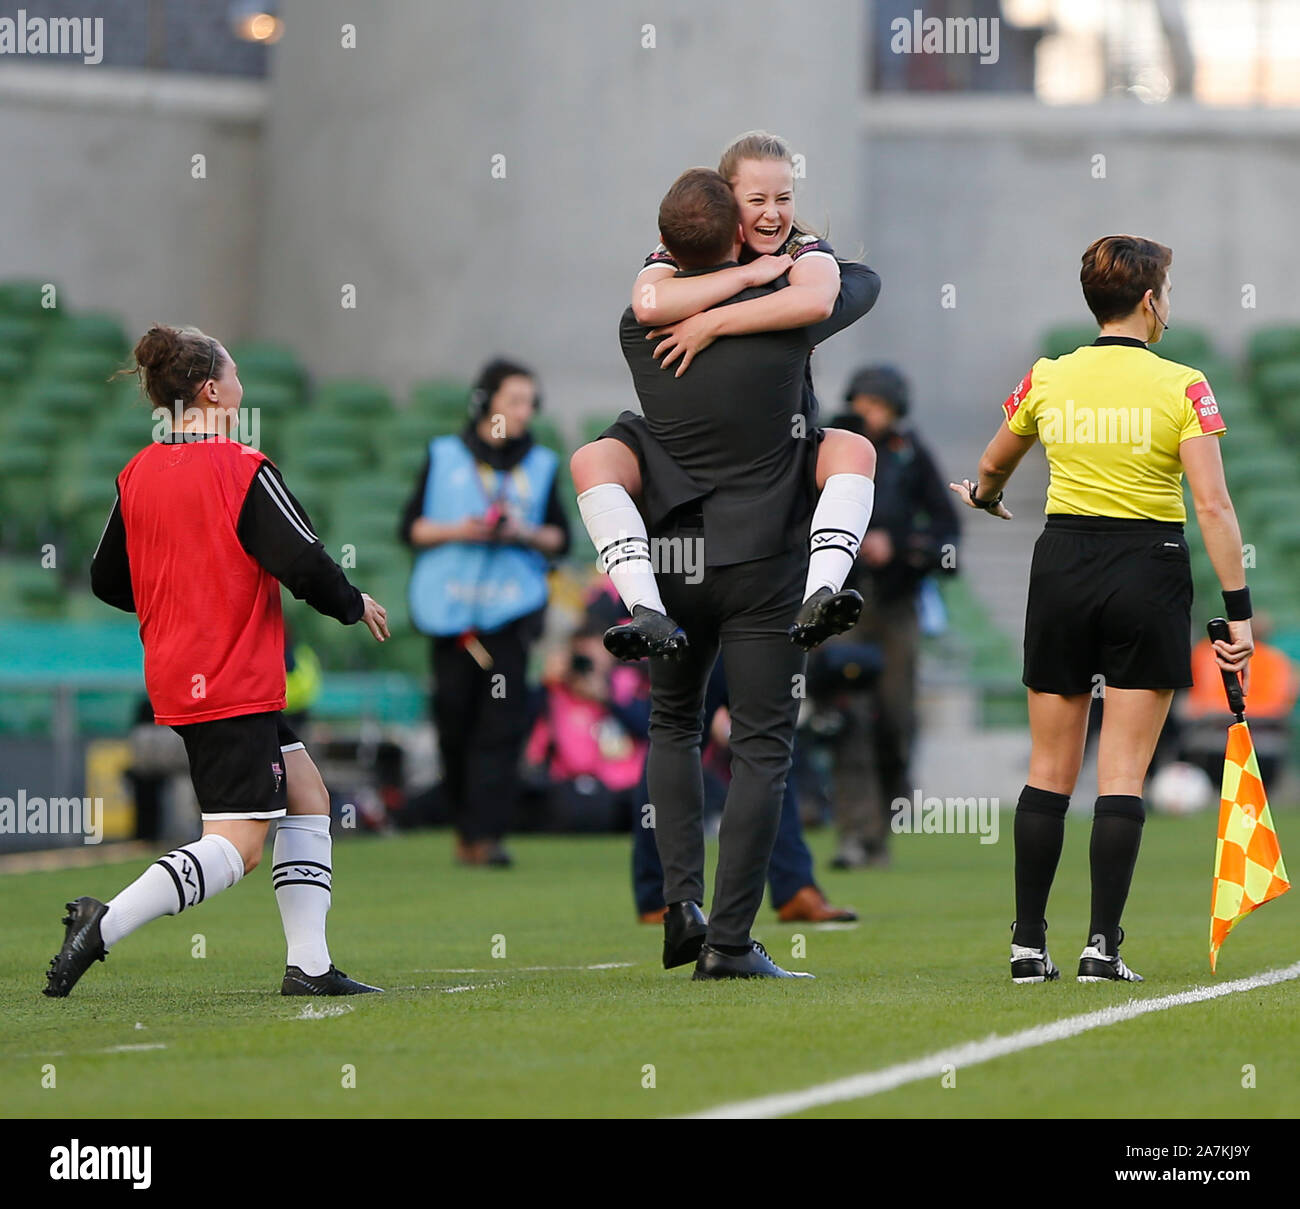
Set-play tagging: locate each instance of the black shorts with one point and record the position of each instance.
(1108, 598)
(237, 765)
(666, 487)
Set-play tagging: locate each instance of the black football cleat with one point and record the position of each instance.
(332, 982)
(825, 613)
(1029, 964)
(649, 635)
(82, 946)
(1096, 966)
(713, 964)
(684, 930)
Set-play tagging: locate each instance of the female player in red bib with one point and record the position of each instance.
(685, 317)
(201, 536)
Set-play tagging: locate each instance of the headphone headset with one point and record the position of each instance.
(489, 382)
(1164, 327)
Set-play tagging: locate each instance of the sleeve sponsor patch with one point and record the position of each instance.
(798, 244)
(660, 255)
(1207, 410)
(1018, 396)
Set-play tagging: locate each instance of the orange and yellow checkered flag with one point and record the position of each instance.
(1248, 868)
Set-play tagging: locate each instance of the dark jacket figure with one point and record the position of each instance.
(913, 533)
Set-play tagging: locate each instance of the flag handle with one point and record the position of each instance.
(1218, 632)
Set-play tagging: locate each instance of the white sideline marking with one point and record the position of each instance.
(972, 1053)
(323, 1013)
(131, 1049)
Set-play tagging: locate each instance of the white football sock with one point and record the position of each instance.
(185, 877)
(622, 547)
(839, 521)
(302, 874)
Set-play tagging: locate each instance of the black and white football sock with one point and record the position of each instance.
(302, 874)
(840, 519)
(618, 532)
(185, 877)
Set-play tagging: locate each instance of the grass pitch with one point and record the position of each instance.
(567, 1021)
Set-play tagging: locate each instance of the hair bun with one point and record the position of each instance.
(159, 345)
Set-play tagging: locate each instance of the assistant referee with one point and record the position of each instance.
(1110, 588)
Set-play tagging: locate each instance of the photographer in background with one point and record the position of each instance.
(485, 520)
(913, 533)
(589, 742)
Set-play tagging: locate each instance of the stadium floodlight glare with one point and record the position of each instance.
(256, 21)
(1027, 14)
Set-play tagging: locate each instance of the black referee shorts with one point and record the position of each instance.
(237, 765)
(1108, 597)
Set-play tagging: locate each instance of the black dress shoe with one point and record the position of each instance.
(825, 613)
(649, 635)
(684, 930)
(754, 964)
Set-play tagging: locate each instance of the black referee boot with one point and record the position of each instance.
(825, 613)
(332, 982)
(648, 635)
(82, 946)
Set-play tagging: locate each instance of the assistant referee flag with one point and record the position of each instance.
(1248, 868)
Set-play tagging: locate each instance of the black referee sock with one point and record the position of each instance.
(1116, 836)
(1039, 832)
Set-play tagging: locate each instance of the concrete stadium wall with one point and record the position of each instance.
(383, 169)
(98, 195)
(997, 198)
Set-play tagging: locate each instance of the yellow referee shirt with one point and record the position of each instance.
(1111, 416)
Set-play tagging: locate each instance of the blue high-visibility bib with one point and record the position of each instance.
(463, 586)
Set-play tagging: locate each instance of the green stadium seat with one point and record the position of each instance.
(1058, 341)
(1277, 384)
(275, 401)
(26, 300)
(68, 402)
(440, 395)
(592, 426)
(13, 368)
(548, 433)
(21, 335)
(91, 330)
(39, 591)
(262, 362)
(354, 399)
(1186, 344)
(76, 363)
(351, 436)
(1261, 506)
(1278, 342)
(30, 426)
(377, 493)
(27, 496)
